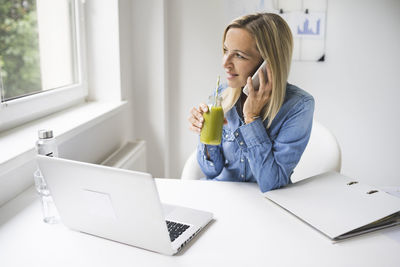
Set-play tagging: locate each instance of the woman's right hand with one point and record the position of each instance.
(196, 119)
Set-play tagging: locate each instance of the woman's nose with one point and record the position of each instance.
(226, 61)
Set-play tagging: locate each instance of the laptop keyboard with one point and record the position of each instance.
(175, 229)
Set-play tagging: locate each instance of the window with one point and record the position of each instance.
(42, 66)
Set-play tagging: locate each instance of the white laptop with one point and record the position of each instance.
(119, 205)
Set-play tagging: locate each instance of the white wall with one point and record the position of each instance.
(102, 32)
(356, 89)
(126, 65)
(194, 62)
(148, 81)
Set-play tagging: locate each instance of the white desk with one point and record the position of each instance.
(248, 230)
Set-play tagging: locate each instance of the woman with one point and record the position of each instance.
(266, 132)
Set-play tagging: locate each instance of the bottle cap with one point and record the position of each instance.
(45, 134)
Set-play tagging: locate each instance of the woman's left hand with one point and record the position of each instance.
(257, 99)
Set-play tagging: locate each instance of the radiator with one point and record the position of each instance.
(130, 156)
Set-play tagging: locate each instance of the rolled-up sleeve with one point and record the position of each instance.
(213, 165)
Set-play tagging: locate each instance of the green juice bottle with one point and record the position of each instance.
(211, 133)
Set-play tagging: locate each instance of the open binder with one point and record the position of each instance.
(338, 206)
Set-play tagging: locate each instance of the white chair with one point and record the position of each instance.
(191, 169)
(322, 154)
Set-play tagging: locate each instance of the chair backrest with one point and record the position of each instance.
(322, 154)
(191, 169)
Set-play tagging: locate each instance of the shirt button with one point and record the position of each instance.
(211, 164)
(236, 134)
(242, 175)
(226, 136)
(241, 143)
(241, 160)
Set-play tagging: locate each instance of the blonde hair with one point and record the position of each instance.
(274, 42)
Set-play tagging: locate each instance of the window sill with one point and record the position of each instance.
(18, 144)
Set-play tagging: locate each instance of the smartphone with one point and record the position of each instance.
(255, 80)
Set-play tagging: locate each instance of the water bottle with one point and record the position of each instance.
(46, 145)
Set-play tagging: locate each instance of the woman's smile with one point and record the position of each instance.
(230, 75)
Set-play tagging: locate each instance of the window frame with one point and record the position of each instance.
(27, 108)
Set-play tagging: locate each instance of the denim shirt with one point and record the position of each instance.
(254, 153)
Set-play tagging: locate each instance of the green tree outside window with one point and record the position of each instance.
(19, 49)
